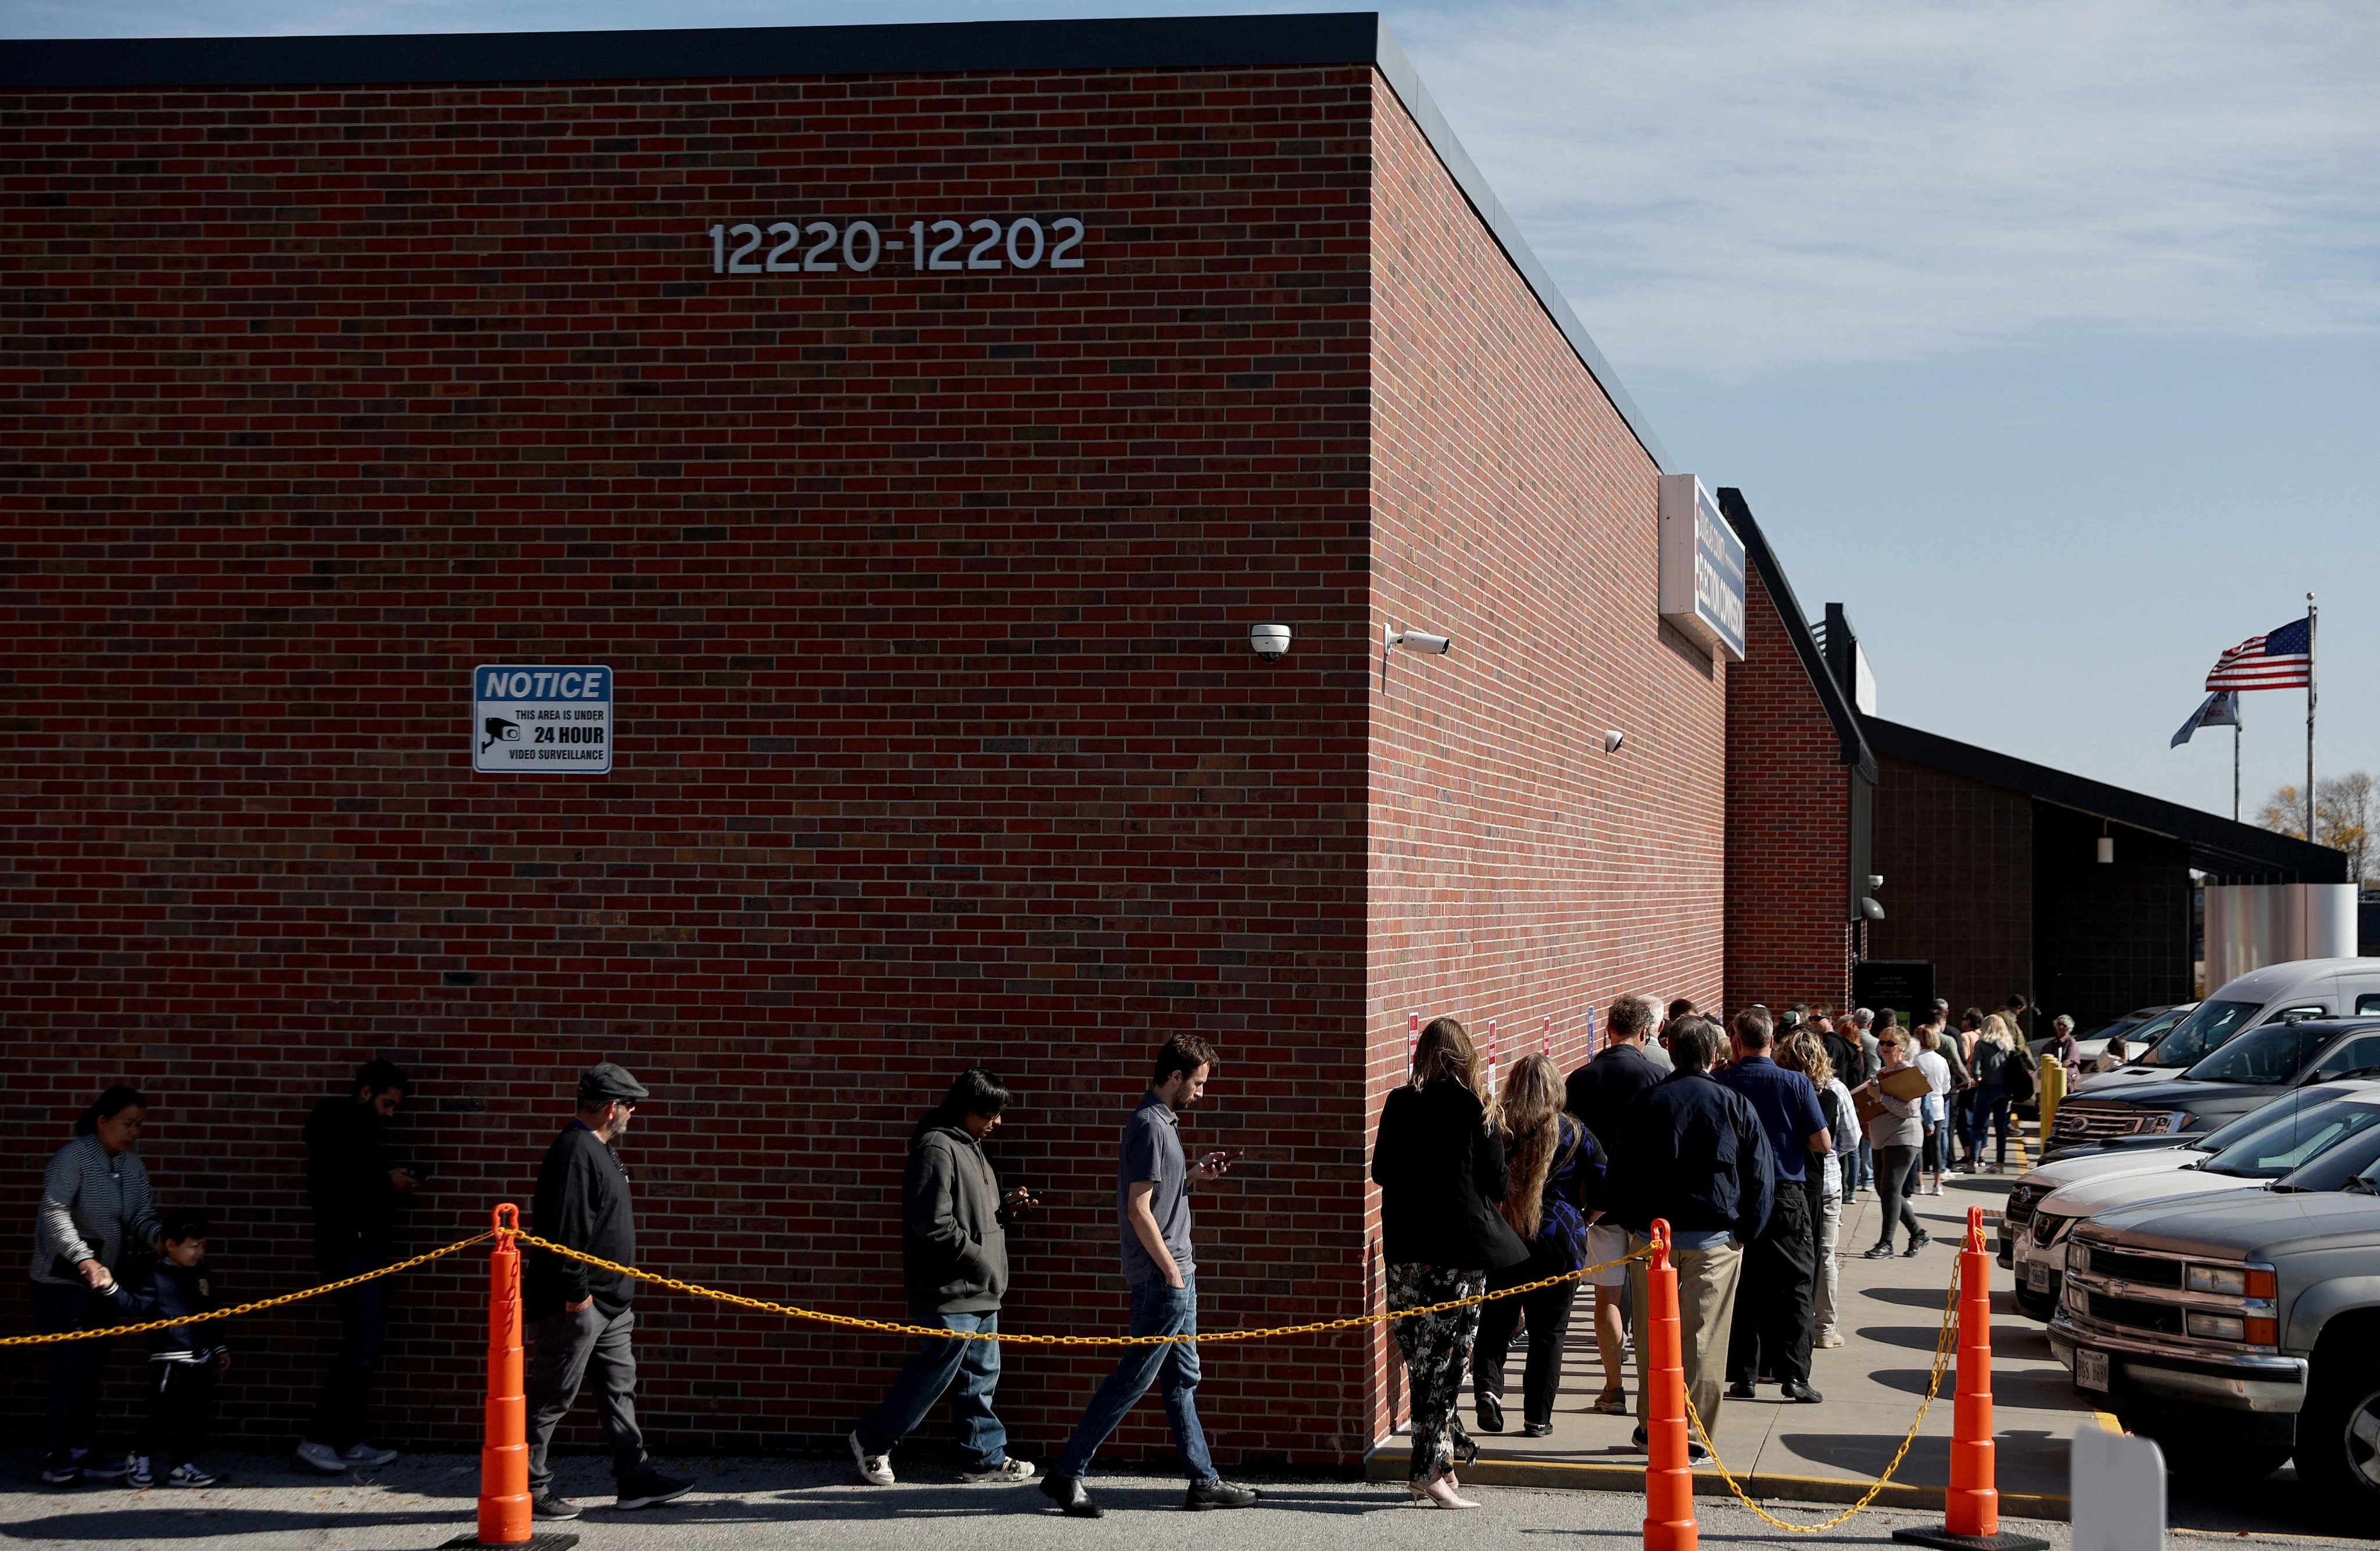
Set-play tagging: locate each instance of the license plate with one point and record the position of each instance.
(2036, 1277)
(2090, 1369)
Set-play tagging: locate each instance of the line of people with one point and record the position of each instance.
(1739, 1139)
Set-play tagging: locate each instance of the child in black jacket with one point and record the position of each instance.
(184, 1360)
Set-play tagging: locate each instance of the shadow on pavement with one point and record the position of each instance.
(194, 1520)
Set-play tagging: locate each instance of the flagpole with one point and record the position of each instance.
(2310, 808)
(2235, 768)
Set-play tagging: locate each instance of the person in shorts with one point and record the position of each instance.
(1599, 1094)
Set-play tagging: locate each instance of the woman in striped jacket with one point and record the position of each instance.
(96, 1205)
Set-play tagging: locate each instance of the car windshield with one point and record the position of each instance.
(2291, 1142)
(2336, 1168)
(2284, 1110)
(2153, 1029)
(2202, 1033)
(2271, 1054)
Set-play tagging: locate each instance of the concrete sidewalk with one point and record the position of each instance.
(1892, 1311)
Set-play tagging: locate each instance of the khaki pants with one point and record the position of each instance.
(1706, 1309)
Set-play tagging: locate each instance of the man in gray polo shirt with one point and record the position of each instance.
(1153, 1218)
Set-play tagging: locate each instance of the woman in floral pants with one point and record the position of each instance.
(1439, 1163)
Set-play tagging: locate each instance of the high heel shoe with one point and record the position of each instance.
(1436, 1492)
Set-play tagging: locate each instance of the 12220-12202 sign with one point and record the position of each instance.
(827, 248)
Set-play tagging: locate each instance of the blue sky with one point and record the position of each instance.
(2046, 337)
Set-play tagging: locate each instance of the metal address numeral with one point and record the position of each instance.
(1026, 243)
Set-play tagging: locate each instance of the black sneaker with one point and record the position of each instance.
(550, 1504)
(651, 1488)
(1218, 1494)
(1742, 1390)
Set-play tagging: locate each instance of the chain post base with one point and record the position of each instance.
(544, 1541)
(1943, 1540)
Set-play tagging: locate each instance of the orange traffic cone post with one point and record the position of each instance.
(1970, 1509)
(1668, 1474)
(505, 1519)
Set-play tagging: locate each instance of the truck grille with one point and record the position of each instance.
(2136, 1314)
(2083, 1121)
(2147, 1270)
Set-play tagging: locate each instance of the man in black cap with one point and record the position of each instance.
(578, 1313)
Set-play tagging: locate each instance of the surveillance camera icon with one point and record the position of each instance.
(500, 730)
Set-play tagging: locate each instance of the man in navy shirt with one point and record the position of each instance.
(1775, 1318)
(1694, 1154)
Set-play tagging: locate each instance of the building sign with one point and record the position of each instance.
(541, 720)
(985, 243)
(1702, 567)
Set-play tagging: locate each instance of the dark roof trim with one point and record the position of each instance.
(1840, 709)
(919, 48)
(2218, 844)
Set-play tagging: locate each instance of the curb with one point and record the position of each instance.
(1765, 1485)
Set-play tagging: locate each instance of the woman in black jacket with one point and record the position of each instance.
(1557, 1172)
(1439, 1164)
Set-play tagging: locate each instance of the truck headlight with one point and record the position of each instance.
(2229, 1279)
(2216, 1327)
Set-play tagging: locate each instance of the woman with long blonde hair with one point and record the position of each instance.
(1439, 1163)
(1802, 1051)
(1557, 1173)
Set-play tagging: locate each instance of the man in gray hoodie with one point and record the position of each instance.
(954, 1265)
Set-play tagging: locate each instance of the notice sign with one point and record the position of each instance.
(541, 720)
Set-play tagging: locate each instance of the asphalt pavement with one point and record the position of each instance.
(779, 1505)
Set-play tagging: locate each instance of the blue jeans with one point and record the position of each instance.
(924, 1379)
(1157, 1310)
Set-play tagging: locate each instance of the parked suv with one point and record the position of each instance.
(2241, 1330)
(2245, 1074)
(2272, 1142)
(2302, 988)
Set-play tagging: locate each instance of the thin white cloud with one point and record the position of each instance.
(1737, 187)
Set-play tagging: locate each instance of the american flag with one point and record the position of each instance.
(2283, 659)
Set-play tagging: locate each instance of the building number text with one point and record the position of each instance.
(821, 247)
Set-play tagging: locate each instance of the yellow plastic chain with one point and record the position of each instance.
(1942, 1348)
(854, 1322)
(110, 1331)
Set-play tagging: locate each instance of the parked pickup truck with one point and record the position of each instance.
(2241, 1329)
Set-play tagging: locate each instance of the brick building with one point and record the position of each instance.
(1800, 784)
(914, 421)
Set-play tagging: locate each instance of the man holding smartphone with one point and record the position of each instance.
(352, 1190)
(1153, 1220)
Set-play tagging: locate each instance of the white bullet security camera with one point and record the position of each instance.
(1612, 739)
(1269, 641)
(1420, 640)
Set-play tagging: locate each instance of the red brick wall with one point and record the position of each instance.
(1957, 860)
(939, 740)
(1517, 870)
(1787, 825)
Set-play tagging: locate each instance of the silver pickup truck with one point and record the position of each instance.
(2240, 1331)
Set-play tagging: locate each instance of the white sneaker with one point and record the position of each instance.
(322, 1459)
(190, 1476)
(138, 1473)
(1007, 1471)
(1830, 1338)
(874, 1469)
(368, 1456)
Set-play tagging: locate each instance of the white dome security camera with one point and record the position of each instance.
(1612, 739)
(1269, 641)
